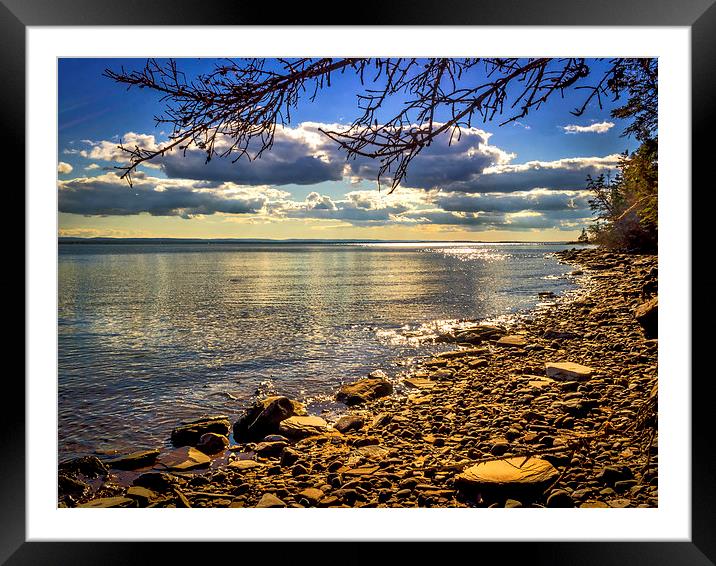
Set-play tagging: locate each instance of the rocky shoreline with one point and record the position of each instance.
(558, 410)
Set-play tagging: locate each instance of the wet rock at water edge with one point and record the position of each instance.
(157, 481)
(185, 458)
(264, 417)
(212, 443)
(88, 466)
(364, 390)
(133, 461)
(67, 485)
(189, 434)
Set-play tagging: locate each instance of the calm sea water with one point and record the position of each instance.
(150, 335)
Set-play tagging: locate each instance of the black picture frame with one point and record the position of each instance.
(699, 15)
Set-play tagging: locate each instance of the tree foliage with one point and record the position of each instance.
(243, 101)
(625, 207)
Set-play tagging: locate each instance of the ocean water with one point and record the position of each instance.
(153, 334)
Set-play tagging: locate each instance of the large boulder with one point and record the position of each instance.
(302, 427)
(647, 315)
(264, 417)
(513, 476)
(364, 390)
(189, 434)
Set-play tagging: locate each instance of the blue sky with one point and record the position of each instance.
(521, 181)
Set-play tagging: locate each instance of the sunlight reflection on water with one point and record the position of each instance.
(150, 335)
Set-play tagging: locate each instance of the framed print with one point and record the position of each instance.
(394, 281)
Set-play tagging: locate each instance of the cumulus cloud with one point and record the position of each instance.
(64, 168)
(107, 195)
(597, 128)
(561, 174)
(304, 156)
(535, 200)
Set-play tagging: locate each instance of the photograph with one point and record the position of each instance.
(377, 282)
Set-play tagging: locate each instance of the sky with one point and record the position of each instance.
(520, 181)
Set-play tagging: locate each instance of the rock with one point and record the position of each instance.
(67, 485)
(265, 416)
(89, 466)
(349, 422)
(499, 448)
(647, 315)
(419, 382)
(517, 474)
(311, 495)
(594, 505)
(289, 456)
(568, 371)
(560, 498)
(473, 334)
(107, 502)
(557, 334)
(302, 427)
(610, 475)
(245, 465)
(513, 504)
(212, 443)
(270, 449)
(185, 458)
(189, 434)
(142, 495)
(270, 500)
(364, 390)
(512, 341)
(158, 481)
(134, 460)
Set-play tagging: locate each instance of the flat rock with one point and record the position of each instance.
(109, 502)
(312, 495)
(245, 465)
(419, 382)
(512, 341)
(568, 371)
(185, 458)
(364, 390)
(269, 500)
(134, 460)
(301, 427)
(510, 473)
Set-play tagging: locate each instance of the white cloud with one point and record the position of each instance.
(597, 128)
(64, 168)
